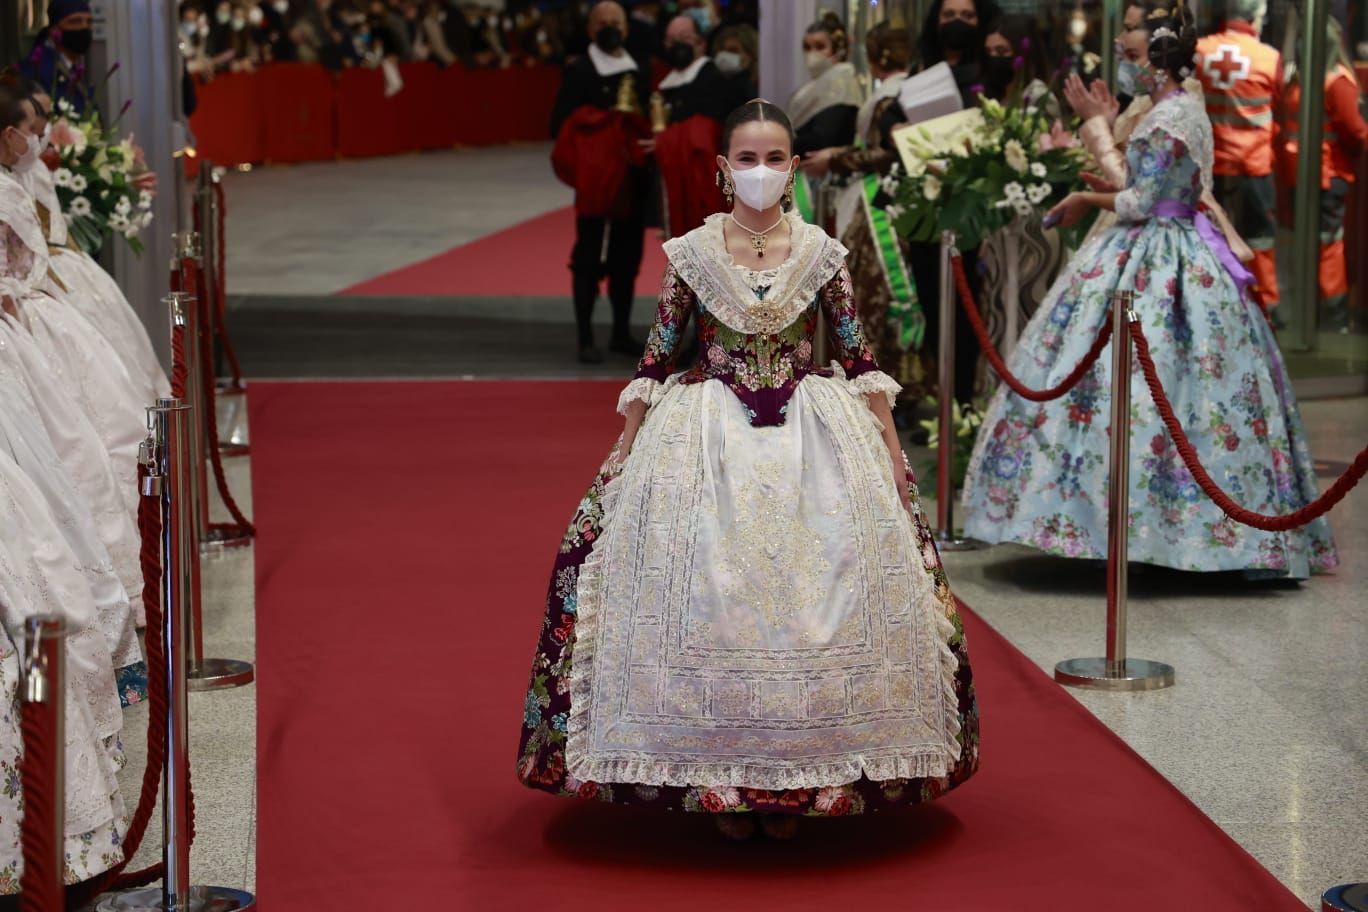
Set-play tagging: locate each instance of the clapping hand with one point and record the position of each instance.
(1088, 101)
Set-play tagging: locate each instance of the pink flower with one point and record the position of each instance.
(1057, 138)
(712, 802)
(588, 790)
(64, 134)
(832, 801)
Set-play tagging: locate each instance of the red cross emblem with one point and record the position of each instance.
(1226, 67)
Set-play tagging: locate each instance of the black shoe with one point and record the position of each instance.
(590, 354)
(626, 345)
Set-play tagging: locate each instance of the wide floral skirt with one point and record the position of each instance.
(1038, 474)
(746, 619)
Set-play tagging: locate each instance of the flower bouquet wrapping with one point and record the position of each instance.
(967, 422)
(974, 172)
(103, 183)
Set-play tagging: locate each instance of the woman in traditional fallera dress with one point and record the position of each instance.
(1038, 475)
(748, 612)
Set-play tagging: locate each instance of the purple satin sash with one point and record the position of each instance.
(1211, 236)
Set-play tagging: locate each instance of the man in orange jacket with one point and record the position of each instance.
(1241, 77)
(1344, 137)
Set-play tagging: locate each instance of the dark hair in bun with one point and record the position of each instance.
(1173, 37)
(755, 110)
(831, 25)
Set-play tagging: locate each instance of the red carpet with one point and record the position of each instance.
(529, 259)
(406, 531)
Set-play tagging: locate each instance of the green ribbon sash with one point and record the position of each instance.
(802, 198)
(904, 310)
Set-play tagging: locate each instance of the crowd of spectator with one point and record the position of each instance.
(222, 36)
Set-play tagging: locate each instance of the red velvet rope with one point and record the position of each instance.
(243, 526)
(221, 292)
(966, 295)
(40, 887)
(1312, 511)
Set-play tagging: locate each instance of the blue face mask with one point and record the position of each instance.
(702, 18)
(1128, 78)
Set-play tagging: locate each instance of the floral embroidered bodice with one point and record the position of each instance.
(1168, 157)
(756, 330)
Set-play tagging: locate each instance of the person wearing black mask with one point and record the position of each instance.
(954, 32)
(694, 84)
(58, 56)
(610, 221)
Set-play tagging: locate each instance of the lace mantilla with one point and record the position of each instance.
(726, 291)
(872, 382)
(641, 389)
(1183, 116)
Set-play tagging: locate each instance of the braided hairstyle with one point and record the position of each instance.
(1173, 37)
(831, 25)
(889, 46)
(755, 110)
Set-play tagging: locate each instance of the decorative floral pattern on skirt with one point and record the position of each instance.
(1039, 472)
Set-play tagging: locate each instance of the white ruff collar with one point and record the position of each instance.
(721, 286)
(609, 65)
(676, 78)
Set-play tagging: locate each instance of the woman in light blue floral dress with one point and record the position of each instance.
(1039, 471)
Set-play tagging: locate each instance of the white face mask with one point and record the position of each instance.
(29, 158)
(729, 62)
(759, 187)
(818, 63)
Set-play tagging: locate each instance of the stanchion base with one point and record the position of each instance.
(1093, 674)
(948, 542)
(216, 541)
(202, 899)
(1346, 898)
(220, 674)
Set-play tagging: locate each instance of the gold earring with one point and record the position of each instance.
(788, 194)
(725, 181)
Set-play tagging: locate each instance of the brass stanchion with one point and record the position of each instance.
(43, 695)
(205, 673)
(171, 461)
(1346, 898)
(946, 539)
(1117, 671)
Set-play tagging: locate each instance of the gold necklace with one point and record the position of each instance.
(758, 239)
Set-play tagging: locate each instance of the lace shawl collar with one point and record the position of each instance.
(721, 286)
(20, 214)
(1183, 116)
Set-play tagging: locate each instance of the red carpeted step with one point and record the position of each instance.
(405, 535)
(530, 259)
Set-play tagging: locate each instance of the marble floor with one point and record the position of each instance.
(1266, 729)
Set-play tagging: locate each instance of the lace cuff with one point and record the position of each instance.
(871, 382)
(642, 388)
(1097, 136)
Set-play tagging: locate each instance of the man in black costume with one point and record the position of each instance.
(610, 215)
(694, 84)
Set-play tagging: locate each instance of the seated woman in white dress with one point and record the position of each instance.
(82, 358)
(748, 615)
(89, 288)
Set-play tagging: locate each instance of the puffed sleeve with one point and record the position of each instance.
(1156, 153)
(856, 359)
(672, 316)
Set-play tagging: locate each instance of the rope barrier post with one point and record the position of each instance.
(172, 457)
(205, 673)
(42, 769)
(946, 539)
(1346, 898)
(231, 414)
(1117, 671)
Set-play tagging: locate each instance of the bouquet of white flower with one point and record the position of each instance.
(103, 183)
(992, 166)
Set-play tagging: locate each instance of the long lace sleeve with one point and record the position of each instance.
(856, 358)
(1097, 137)
(672, 317)
(1155, 154)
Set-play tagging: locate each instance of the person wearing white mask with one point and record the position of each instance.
(824, 109)
(736, 53)
(89, 288)
(709, 647)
